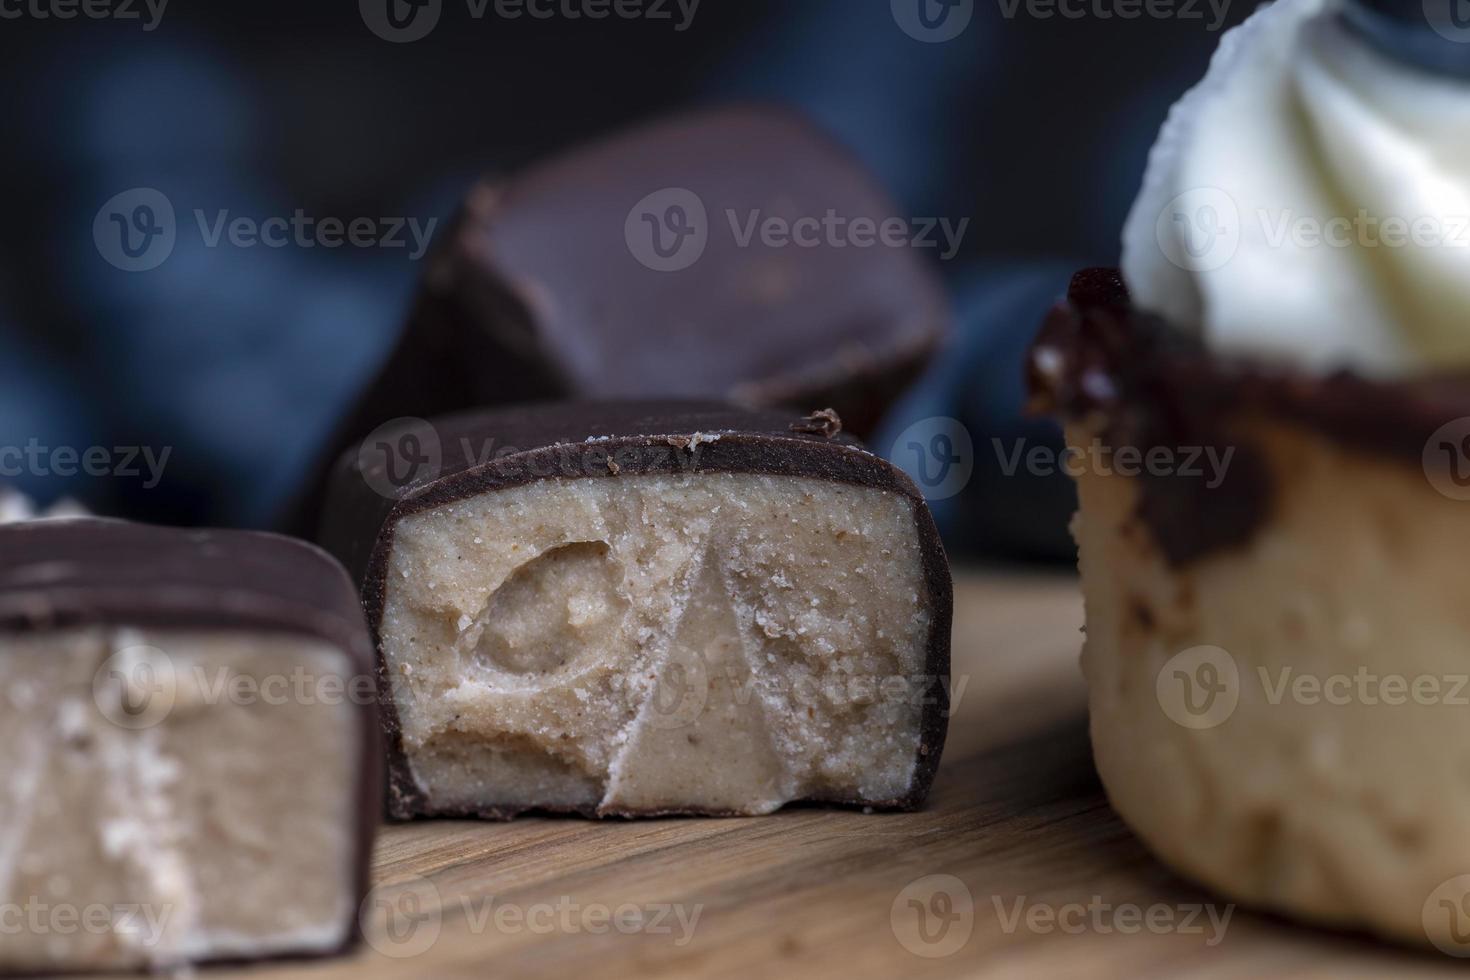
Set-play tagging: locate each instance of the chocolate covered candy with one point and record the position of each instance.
(189, 748)
(737, 254)
(631, 608)
(623, 269)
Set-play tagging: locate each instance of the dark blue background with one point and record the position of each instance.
(240, 359)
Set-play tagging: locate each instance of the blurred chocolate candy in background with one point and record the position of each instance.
(238, 340)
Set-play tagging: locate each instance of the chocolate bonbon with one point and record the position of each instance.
(737, 254)
(635, 608)
(189, 745)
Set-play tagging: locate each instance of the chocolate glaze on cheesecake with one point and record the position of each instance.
(1146, 383)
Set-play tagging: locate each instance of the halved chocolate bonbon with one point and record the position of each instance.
(647, 608)
(189, 744)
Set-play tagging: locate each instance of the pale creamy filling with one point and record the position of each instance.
(169, 797)
(725, 642)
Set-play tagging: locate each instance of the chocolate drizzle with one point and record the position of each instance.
(1141, 382)
(1143, 385)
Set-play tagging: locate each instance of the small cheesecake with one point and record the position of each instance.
(1278, 643)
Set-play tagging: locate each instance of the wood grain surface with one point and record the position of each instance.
(1039, 876)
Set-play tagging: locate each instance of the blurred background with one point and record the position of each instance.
(1033, 122)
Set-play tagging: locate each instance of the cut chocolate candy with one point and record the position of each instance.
(646, 608)
(737, 254)
(190, 753)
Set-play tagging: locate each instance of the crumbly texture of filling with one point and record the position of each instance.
(717, 643)
(170, 797)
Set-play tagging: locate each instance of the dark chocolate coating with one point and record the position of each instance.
(91, 572)
(550, 441)
(533, 291)
(1153, 384)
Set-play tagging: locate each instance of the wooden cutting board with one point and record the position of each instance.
(1038, 873)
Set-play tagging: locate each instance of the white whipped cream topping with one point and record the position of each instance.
(1309, 202)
